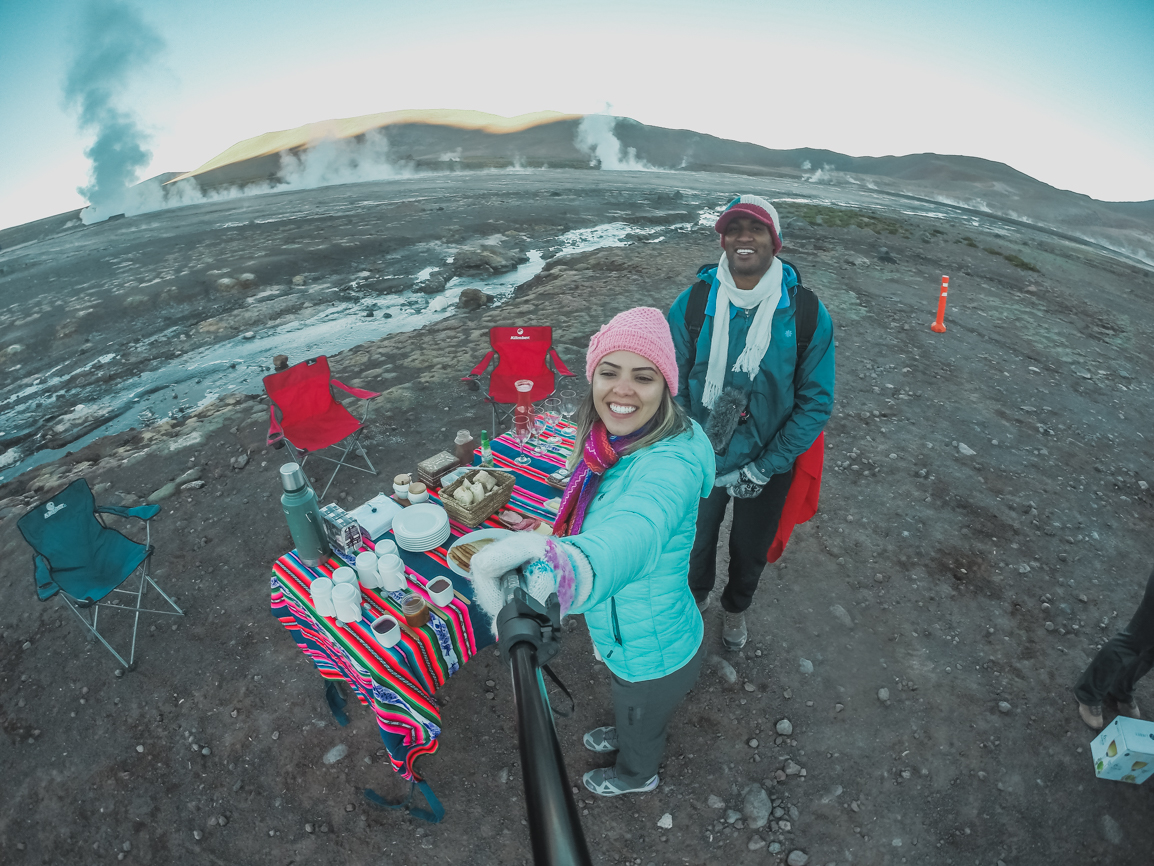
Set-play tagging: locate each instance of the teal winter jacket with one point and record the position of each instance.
(785, 413)
(637, 535)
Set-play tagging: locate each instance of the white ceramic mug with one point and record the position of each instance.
(367, 569)
(385, 547)
(391, 570)
(440, 591)
(346, 602)
(322, 591)
(346, 575)
(387, 630)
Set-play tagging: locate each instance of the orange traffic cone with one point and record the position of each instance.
(940, 326)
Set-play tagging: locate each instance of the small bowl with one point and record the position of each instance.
(440, 591)
(418, 492)
(401, 491)
(386, 630)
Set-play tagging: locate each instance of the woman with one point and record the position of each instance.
(627, 519)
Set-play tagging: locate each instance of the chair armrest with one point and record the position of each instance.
(275, 431)
(46, 587)
(141, 512)
(558, 364)
(480, 369)
(356, 392)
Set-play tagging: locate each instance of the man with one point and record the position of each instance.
(1124, 659)
(761, 406)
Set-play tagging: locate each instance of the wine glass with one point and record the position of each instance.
(522, 427)
(553, 415)
(569, 404)
(540, 421)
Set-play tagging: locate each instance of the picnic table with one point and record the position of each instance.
(400, 683)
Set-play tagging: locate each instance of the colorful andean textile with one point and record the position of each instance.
(600, 453)
(801, 501)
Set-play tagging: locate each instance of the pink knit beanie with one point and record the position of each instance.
(642, 330)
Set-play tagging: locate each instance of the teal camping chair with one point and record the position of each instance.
(84, 561)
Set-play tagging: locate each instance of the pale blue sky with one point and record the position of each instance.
(1063, 91)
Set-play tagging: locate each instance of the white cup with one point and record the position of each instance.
(387, 630)
(391, 571)
(440, 591)
(346, 575)
(385, 547)
(346, 602)
(322, 590)
(367, 569)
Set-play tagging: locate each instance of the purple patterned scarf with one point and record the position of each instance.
(599, 455)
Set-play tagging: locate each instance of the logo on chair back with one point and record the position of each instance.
(520, 331)
(51, 508)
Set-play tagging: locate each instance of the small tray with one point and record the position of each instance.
(477, 513)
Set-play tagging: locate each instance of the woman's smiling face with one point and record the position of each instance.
(627, 391)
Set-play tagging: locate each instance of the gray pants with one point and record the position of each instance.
(643, 712)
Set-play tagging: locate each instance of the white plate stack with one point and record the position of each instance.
(421, 527)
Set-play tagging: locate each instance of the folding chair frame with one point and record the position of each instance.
(277, 437)
(77, 605)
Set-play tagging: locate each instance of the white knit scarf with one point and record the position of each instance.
(765, 296)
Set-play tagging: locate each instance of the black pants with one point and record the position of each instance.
(754, 527)
(1125, 659)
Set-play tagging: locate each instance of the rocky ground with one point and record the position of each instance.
(905, 695)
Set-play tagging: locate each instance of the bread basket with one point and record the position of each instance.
(476, 514)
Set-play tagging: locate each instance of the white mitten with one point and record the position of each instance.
(550, 566)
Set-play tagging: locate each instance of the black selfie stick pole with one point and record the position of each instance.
(528, 636)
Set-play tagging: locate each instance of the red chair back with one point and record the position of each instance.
(302, 391)
(521, 353)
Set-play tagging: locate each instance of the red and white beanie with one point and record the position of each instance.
(752, 206)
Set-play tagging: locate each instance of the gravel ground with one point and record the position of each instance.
(905, 696)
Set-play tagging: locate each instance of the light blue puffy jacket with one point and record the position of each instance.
(637, 535)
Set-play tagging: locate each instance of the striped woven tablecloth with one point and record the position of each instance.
(399, 683)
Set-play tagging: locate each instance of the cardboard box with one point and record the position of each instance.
(1124, 751)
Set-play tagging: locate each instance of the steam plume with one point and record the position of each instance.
(596, 136)
(114, 44)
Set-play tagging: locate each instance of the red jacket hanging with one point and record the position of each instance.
(801, 501)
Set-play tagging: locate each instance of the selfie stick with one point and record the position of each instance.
(528, 637)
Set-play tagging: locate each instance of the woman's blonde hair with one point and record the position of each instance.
(669, 420)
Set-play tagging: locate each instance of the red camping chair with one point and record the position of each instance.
(307, 417)
(522, 353)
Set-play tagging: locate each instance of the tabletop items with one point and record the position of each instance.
(388, 620)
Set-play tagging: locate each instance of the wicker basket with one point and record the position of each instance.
(476, 514)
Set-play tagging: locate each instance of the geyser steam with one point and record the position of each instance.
(596, 136)
(114, 44)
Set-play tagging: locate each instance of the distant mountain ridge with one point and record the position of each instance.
(446, 139)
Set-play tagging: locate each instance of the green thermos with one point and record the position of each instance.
(303, 514)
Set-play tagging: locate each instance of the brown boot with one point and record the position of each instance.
(1130, 709)
(1092, 716)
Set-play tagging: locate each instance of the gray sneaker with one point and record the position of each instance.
(605, 782)
(601, 739)
(734, 634)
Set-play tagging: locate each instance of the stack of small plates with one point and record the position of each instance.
(421, 527)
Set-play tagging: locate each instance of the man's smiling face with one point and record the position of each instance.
(748, 245)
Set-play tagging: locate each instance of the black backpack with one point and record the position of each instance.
(805, 314)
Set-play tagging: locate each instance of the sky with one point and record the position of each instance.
(1063, 91)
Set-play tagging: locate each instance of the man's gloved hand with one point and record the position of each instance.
(747, 485)
(550, 566)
